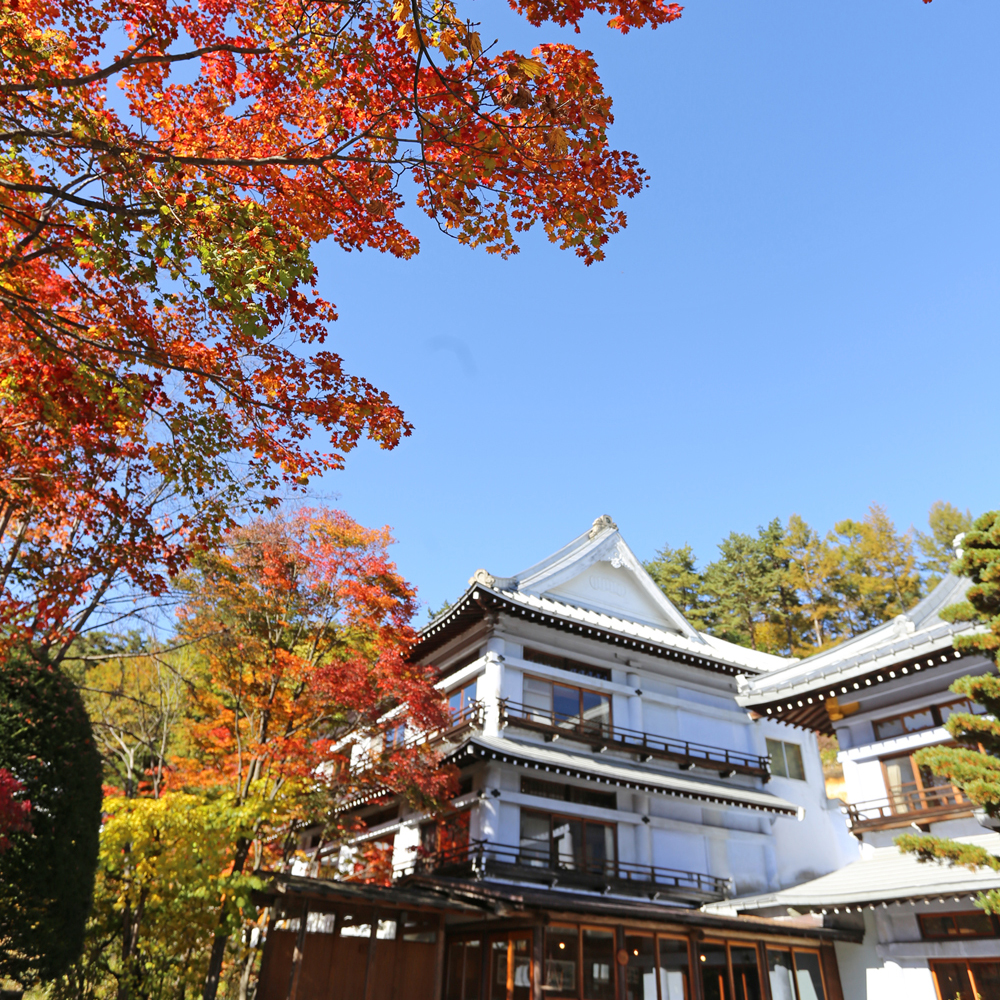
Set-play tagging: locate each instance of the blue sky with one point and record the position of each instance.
(801, 316)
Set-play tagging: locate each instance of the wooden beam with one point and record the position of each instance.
(300, 947)
(369, 978)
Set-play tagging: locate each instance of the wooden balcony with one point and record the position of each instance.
(908, 804)
(485, 860)
(602, 736)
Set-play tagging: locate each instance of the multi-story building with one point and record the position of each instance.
(885, 694)
(611, 785)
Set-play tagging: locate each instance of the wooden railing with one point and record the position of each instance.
(908, 803)
(604, 736)
(482, 859)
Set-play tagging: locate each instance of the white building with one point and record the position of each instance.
(885, 695)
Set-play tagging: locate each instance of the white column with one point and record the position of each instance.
(634, 704)
(490, 687)
(643, 831)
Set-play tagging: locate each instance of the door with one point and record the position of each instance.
(511, 967)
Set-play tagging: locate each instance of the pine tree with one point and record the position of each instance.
(974, 764)
(675, 574)
(946, 522)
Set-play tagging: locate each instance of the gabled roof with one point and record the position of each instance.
(884, 875)
(619, 774)
(914, 641)
(595, 586)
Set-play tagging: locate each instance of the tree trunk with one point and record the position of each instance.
(214, 973)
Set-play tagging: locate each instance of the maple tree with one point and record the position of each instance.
(168, 167)
(15, 810)
(304, 627)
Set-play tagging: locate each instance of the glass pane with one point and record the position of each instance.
(793, 761)
(902, 782)
(473, 969)
(673, 969)
(808, 976)
(386, 930)
(714, 971)
(419, 927)
(559, 973)
(640, 973)
(936, 927)
(973, 924)
(538, 695)
(535, 838)
(953, 980)
(986, 978)
(600, 846)
(888, 728)
(566, 704)
(746, 978)
(468, 694)
(521, 968)
(598, 965)
(596, 711)
(567, 835)
(916, 721)
(498, 981)
(781, 975)
(776, 751)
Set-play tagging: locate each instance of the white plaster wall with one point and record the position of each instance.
(748, 862)
(677, 849)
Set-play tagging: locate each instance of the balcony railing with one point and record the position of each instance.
(906, 804)
(484, 860)
(602, 736)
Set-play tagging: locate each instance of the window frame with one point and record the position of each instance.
(531, 654)
(585, 820)
(993, 919)
(937, 718)
(793, 950)
(784, 758)
(578, 719)
(921, 790)
(969, 963)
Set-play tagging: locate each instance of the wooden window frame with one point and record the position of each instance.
(579, 819)
(793, 949)
(994, 922)
(969, 963)
(580, 693)
(921, 790)
(557, 661)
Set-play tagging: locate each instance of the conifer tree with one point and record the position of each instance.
(674, 572)
(974, 764)
(946, 522)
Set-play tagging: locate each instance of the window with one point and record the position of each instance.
(420, 928)
(561, 953)
(972, 924)
(640, 973)
(746, 977)
(923, 718)
(786, 760)
(564, 663)
(460, 699)
(395, 735)
(566, 707)
(967, 980)
(911, 788)
(714, 971)
(569, 793)
(674, 969)
(795, 975)
(549, 840)
(598, 964)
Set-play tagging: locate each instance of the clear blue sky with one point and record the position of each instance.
(802, 315)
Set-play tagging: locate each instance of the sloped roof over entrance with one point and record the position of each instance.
(597, 587)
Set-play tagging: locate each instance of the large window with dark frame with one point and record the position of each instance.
(795, 974)
(971, 980)
(565, 663)
(911, 788)
(565, 706)
(551, 840)
(950, 926)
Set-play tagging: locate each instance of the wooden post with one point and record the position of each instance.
(300, 947)
(369, 978)
(440, 957)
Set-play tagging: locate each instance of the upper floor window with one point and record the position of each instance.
(972, 924)
(565, 663)
(569, 793)
(922, 718)
(786, 759)
(461, 698)
(395, 735)
(550, 840)
(566, 707)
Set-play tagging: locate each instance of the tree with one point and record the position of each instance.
(46, 873)
(674, 572)
(742, 584)
(974, 763)
(308, 627)
(946, 522)
(811, 566)
(876, 577)
(15, 809)
(162, 186)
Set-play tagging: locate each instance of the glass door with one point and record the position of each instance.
(511, 970)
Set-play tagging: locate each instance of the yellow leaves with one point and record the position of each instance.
(474, 44)
(408, 33)
(531, 68)
(556, 142)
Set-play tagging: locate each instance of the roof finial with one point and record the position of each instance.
(481, 576)
(957, 545)
(600, 523)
